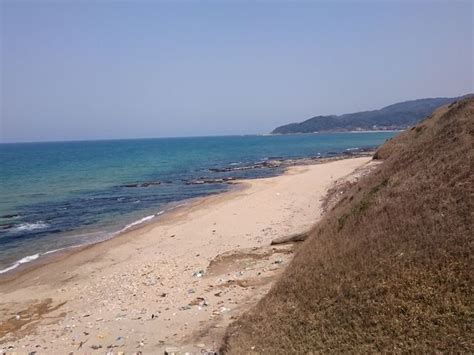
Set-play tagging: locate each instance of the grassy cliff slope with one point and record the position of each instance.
(390, 267)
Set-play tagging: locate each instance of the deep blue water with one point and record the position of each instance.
(62, 194)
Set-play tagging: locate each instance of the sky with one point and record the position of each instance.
(74, 70)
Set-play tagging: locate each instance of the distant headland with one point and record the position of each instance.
(398, 116)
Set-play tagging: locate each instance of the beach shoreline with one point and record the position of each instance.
(191, 270)
(180, 206)
(42, 258)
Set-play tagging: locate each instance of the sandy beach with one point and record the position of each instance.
(176, 282)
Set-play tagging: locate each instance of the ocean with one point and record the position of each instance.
(60, 195)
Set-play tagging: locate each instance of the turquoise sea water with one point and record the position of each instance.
(64, 194)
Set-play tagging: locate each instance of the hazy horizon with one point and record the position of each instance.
(118, 70)
(200, 136)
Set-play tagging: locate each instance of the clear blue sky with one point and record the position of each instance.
(110, 69)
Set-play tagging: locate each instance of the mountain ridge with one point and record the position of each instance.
(397, 116)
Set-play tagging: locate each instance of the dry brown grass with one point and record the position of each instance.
(390, 267)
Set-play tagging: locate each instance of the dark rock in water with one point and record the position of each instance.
(235, 168)
(357, 151)
(219, 170)
(130, 185)
(213, 181)
(150, 183)
(273, 163)
(6, 226)
(14, 215)
(195, 182)
(143, 184)
(205, 180)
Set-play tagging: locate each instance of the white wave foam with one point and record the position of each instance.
(14, 266)
(140, 221)
(53, 251)
(31, 226)
(177, 206)
(28, 258)
(65, 248)
(40, 224)
(24, 260)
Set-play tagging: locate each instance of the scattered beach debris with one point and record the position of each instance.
(199, 273)
(81, 344)
(151, 281)
(199, 301)
(224, 310)
(172, 351)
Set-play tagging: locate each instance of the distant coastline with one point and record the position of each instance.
(340, 131)
(395, 117)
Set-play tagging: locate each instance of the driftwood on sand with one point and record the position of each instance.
(293, 238)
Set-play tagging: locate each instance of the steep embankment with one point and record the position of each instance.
(396, 116)
(389, 268)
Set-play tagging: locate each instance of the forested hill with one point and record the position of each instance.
(393, 117)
